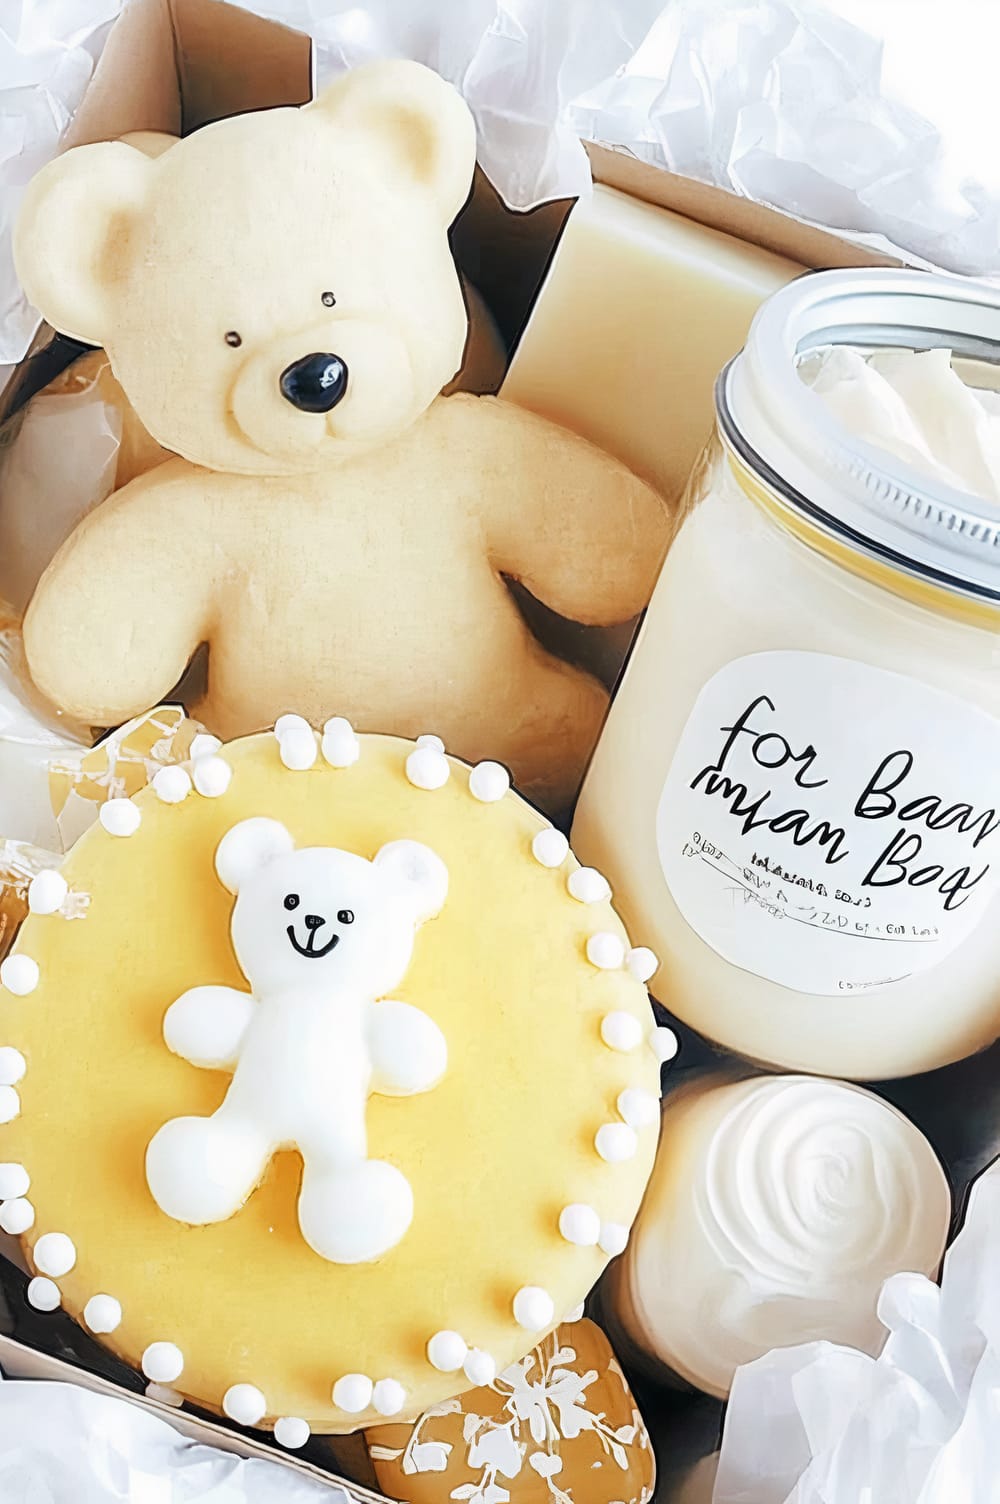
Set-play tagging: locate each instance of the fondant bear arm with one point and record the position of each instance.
(408, 1051)
(116, 618)
(573, 525)
(207, 1026)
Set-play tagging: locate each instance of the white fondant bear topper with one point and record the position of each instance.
(320, 934)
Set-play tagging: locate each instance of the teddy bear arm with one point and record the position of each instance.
(407, 1049)
(121, 609)
(571, 523)
(207, 1026)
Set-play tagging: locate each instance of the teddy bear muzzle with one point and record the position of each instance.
(315, 383)
(311, 950)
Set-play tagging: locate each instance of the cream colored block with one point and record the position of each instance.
(640, 311)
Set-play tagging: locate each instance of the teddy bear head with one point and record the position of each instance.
(322, 917)
(276, 291)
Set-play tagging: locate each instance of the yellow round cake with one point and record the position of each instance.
(329, 1079)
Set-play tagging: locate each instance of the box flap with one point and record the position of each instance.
(134, 87)
(721, 210)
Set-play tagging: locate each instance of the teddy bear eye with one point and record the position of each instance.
(328, 299)
(234, 339)
(292, 901)
(345, 916)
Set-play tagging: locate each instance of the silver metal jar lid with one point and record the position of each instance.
(846, 486)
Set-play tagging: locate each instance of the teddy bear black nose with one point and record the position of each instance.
(314, 384)
(313, 921)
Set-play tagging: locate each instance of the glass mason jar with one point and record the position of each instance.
(796, 796)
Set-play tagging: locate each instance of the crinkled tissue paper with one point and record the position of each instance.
(920, 1424)
(781, 101)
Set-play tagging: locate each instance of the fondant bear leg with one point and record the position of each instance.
(351, 1214)
(203, 1169)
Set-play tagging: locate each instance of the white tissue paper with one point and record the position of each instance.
(781, 101)
(820, 1424)
(63, 1445)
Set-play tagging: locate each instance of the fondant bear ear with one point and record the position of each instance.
(74, 215)
(417, 117)
(248, 848)
(417, 874)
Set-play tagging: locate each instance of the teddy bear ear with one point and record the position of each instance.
(417, 117)
(248, 848)
(72, 214)
(417, 874)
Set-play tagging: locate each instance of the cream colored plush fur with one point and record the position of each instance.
(348, 561)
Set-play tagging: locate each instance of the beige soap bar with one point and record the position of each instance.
(640, 310)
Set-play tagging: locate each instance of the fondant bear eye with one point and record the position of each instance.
(234, 339)
(292, 901)
(328, 299)
(345, 916)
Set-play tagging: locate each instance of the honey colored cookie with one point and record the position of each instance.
(338, 1089)
(559, 1425)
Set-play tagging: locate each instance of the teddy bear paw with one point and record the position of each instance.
(203, 1169)
(353, 1215)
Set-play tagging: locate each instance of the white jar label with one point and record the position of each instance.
(829, 825)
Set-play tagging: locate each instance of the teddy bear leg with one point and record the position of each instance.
(203, 1169)
(555, 716)
(352, 1214)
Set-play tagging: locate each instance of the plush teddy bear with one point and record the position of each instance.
(278, 299)
(320, 935)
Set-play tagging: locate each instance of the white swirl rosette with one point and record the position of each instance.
(777, 1208)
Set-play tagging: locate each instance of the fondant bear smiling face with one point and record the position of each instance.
(321, 918)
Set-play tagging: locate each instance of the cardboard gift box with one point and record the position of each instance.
(615, 316)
